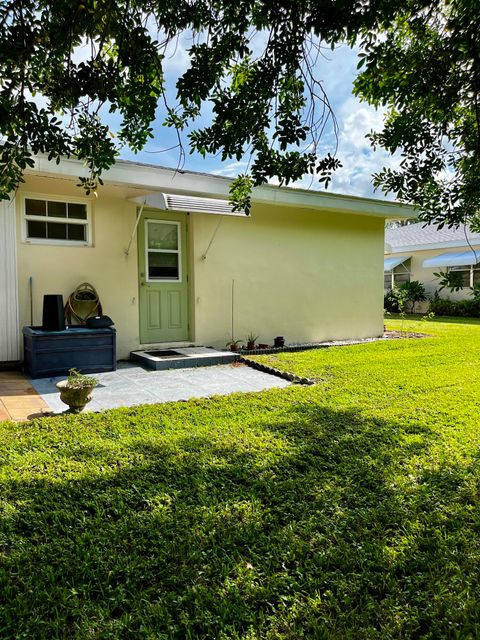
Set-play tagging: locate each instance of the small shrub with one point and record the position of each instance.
(476, 292)
(394, 301)
(414, 292)
(469, 308)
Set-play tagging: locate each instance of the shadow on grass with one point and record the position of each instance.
(316, 527)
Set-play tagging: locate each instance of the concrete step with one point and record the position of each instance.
(182, 357)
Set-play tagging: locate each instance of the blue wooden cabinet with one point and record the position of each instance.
(54, 353)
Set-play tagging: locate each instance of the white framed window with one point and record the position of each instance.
(470, 274)
(163, 251)
(397, 276)
(56, 221)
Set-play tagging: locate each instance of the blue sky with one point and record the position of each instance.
(337, 71)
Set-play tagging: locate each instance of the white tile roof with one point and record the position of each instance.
(419, 235)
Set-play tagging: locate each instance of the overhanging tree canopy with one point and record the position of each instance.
(64, 63)
(425, 68)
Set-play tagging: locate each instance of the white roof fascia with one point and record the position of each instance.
(332, 202)
(157, 179)
(432, 246)
(143, 177)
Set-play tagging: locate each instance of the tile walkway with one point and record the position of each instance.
(131, 385)
(18, 399)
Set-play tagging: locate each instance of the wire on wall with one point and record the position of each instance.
(204, 256)
(127, 250)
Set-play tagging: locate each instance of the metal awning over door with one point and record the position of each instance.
(188, 204)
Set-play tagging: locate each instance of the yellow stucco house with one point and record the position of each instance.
(417, 252)
(173, 265)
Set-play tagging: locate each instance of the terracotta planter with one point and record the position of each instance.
(75, 397)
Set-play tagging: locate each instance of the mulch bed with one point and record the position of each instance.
(393, 335)
(387, 335)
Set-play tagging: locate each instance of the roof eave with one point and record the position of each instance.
(450, 244)
(152, 179)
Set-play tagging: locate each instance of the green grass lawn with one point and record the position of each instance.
(349, 509)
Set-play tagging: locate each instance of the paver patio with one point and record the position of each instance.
(131, 385)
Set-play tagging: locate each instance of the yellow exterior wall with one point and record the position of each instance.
(306, 275)
(59, 269)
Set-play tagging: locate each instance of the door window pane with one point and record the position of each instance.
(163, 236)
(163, 266)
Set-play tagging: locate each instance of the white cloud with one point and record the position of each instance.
(177, 57)
(231, 170)
(360, 161)
(357, 120)
(337, 71)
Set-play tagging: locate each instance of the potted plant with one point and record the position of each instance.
(234, 345)
(251, 339)
(76, 390)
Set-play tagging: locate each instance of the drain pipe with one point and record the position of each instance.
(127, 250)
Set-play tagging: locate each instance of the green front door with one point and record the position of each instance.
(162, 266)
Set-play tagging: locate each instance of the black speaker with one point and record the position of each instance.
(53, 318)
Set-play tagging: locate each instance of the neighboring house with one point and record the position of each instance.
(417, 252)
(174, 265)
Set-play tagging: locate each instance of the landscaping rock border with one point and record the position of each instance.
(291, 377)
(286, 375)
